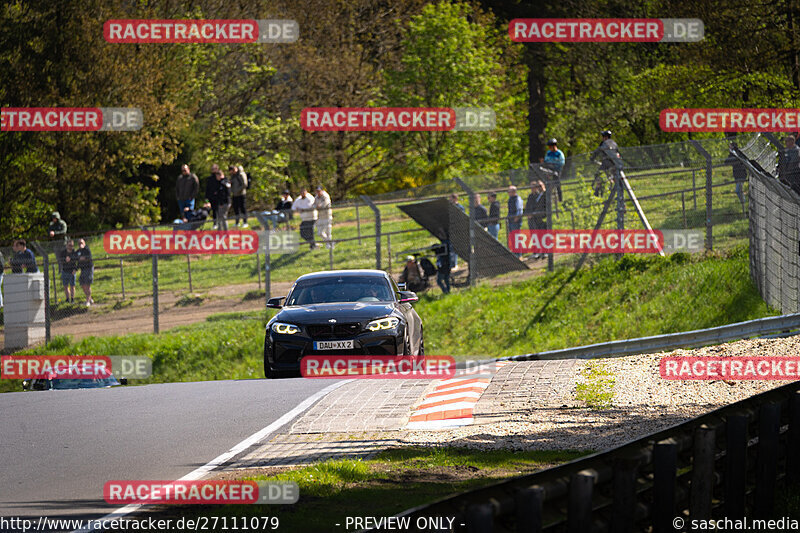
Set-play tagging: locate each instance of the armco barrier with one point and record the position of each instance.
(670, 341)
(728, 463)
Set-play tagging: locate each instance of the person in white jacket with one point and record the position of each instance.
(323, 204)
(304, 205)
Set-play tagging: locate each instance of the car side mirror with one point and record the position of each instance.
(408, 297)
(275, 303)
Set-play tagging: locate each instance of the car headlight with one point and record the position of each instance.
(389, 322)
(285, 329)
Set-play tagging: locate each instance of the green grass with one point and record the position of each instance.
(393, 481)
(596, 388)
(633, 297)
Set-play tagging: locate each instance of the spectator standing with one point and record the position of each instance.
(443, 266)
(86, 264)
(57, 228)
(186, 189)
(608, 152)
(481, 215)
(739, 172)
(284, 206)
(515, 209)
(68, 264)
(493, 227)
(211, 188)
(222, 196)
(536, 208)
(554, 160)
(23, 258)
(239, 193)
(325, 215)
(791, 163)
(454, 201)
(412, 275)
(304, 205)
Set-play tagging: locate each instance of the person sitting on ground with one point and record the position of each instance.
(412, 275)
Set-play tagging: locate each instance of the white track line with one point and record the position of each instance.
(221, 459)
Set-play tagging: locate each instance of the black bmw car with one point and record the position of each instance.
(341, 312)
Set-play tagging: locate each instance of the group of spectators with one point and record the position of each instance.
(315, 213)
(221, 192)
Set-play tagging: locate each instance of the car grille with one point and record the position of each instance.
(333, 331)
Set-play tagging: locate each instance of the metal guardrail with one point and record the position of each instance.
(670, 341)
(730, 462)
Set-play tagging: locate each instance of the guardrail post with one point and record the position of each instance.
(529, 503)
(122, 278)
(473, 268)
(769, 419)
(792, 459)
(367, 200)
(702, 487)
(579, 511)
(735, 465)
(624, 506)
(665, 469)
(480, 518)
(709, 173)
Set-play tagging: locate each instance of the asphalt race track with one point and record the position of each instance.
(59, 448)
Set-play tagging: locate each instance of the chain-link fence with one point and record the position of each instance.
(774, 227)
(687, 185)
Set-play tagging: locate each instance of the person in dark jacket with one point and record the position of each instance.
(739, 172)
(493, 226)
(536, 206)
(23, 258)
(443, 266)
(186, 189)
(221, 196)
(86, 264)
(211, 187)
(68, 264)
(57, 228)
(481, 215)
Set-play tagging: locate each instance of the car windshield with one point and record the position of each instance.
(339, 290)
(62, 384)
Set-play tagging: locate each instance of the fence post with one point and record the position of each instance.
(389, 250)
(330, 253)
(258, 269)
(155, 293)
(189, 267)
(55, 282)
(473, 268)
(769, 422)
(579, 510)
(548, 195)
(122, 278)
(702, 487)
(709, 211)
(47, 309)
(735, 465)
(665, 469)
(358, 224)
(683, 209)
(624, 506)
(792, 460)
(694, 187)
(367, 200)
(529, 503)
(262, 218)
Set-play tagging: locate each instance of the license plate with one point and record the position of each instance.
(333, 345)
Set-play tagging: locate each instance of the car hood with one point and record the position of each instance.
(341, 312)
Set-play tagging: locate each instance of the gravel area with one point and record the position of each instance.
(643, 403)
